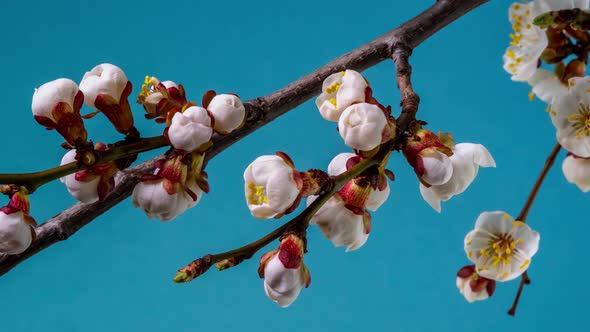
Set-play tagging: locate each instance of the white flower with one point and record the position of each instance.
(570, 114)
(83, 191)
(438, 167)
(340, 225)
(546, 85)
(105, 79)
(528, 42)
(190, 129)
(473, 286)
(284, 272)
(156, 202)
(376, 198)
(16, 234)
(577, 170)
(339, 91)
(228, 111)
(152, 97)
(48, 95)
(466, 159)
(269, 186)
(501, 247)
(362, 125)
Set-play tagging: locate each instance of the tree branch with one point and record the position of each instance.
(260, 111)
(525, 280)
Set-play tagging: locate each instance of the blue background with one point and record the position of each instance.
(115, 274)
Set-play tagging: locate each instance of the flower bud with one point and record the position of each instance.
(473, 286)
(429, 157)
(270, 187)
(340, 225)
(284, 272)
(56, 105)
(190, 130)
(339, 91)
(90, 185)
(16, 234)
(362, 126)
(577, 170)
(106, 89)
(228, 111)
(152, 197)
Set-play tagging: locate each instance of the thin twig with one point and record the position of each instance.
(260, 112)
(409, 103)
(525, 280)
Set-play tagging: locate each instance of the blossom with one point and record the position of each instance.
(429, 157)
(340, 225)
(473, 286)
(16, 234)
(570, 114)
(156, 201)
(159, 99)
(501, 247)
(339, 91)
(16, 225)
(56, 105)
(373, 198)
(191, 129)
(270, 187)
(577, 170)
(466, 159)
(284, 272)
(527, 42)
(106, 89)
(91, 185)
(362, 126)
(228, 111)
(546, 86)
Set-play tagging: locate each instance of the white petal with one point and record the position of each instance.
(191, 129)
(577, 170)
(15, 234)
(430, 197)
(546, 85)
(104, 79)
(438, 167)
(338, 164)
(361, 126)
(228, 111)
(377, 198)
(49, 94)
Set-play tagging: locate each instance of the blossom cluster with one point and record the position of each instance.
(545, 34)
(274, 188)
(177, 181)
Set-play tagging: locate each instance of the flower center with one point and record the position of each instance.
(581, 121)
(257, 194)
(501, 248)
(147, 88)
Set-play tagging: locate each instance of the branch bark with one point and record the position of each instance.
(260, 111)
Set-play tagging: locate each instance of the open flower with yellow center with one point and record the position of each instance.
(161, 98)
(527, 42)
(570, 114)
(339, 91)
(270, 186)
(501, 247)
